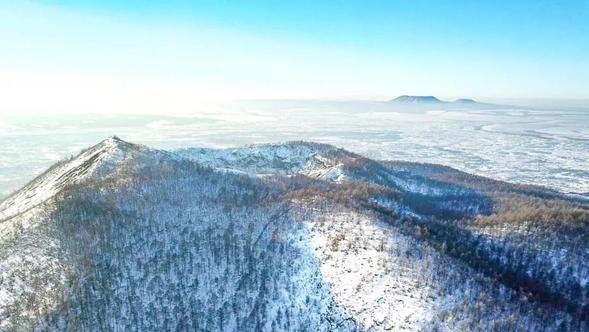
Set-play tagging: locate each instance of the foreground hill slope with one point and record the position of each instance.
(295, 236)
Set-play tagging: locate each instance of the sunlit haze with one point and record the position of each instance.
(180, 56)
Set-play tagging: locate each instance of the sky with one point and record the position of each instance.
(179, 56)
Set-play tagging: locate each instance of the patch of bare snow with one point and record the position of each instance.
(261, 160)
(363, 261)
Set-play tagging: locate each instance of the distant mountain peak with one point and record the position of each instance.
(407, 99)
(417, 99)
(465, 101)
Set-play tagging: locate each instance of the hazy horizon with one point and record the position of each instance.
(177, 56)
(525, 145)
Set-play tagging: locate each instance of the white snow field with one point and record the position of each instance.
(548, 147)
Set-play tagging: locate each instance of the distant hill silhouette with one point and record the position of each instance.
(465, 101)
(417, 99)
(407, 99)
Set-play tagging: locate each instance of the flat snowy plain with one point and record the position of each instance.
(543, 146)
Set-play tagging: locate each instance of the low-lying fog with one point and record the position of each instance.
(547, 146)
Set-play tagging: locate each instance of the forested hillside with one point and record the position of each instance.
(286, 237)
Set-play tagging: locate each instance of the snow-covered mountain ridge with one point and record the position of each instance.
(61, 175)
(312, 159)
(97, 161)
(294, 236)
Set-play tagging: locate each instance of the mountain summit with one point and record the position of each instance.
(96, 159)
(465, 101)
(417, 99)
(406, 99)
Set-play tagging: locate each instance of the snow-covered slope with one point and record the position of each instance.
(32, 266)
(325, 162)
(95, 161)
(285, 237)
(315, 160)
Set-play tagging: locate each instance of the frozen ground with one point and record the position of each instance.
(547, 147)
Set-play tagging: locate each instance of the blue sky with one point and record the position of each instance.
(110, 54)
